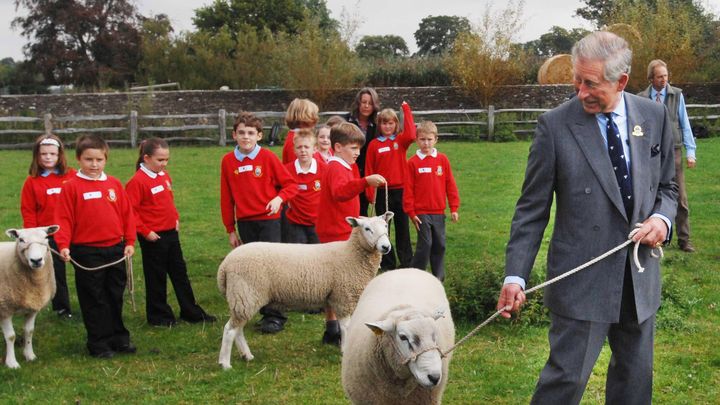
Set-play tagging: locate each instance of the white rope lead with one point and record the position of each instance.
(128, 269)
(568, 274)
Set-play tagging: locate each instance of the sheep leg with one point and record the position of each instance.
(226, 348)
(241, 343)
(29, 329)
(9, 334)
(344, 324)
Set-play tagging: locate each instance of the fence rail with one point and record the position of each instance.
(213, 128)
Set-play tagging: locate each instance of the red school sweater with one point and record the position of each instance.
(39, 197)
(288, 150)
(387, 157)
(94, 213)
(428, 183)
(339, 198)
(247, 187)
(303, 208)
(151, 197)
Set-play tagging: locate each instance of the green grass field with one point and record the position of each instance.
(500, 365)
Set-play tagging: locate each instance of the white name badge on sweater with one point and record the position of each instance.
(157, 189)
(383, 150)
(246, 168)
(54, 190)
(424, 169)
(92, 195)
(302, 187)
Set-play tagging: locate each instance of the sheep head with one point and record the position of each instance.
(373, 230)
(414, 334)
(31, 244)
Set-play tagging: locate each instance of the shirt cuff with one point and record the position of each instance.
(667, 222)
(515, 280)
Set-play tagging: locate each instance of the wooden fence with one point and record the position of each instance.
(127, 129)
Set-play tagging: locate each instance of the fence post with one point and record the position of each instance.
(222, 126)
(48, 124)
(133, 128)
(491, 122)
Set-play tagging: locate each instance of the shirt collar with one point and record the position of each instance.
(619, 110)
(252, 155)
(423, 156)
(312, 169)
(653, 92)
(46, 172)
(341, 161)
(382, 138)
(149, 172)
(102, 177)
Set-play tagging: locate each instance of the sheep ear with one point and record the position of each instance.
(379, 327)
(353, 221)
(388, 216)
(12, 233)
(52, 229)
(438, 313)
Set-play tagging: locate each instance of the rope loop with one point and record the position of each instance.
(610, 252)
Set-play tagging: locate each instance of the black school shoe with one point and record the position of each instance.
(126, 349)
(203, 317)
(107, 354)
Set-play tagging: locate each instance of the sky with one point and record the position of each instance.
(377, 17)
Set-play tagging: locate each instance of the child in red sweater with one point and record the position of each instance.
(342, 186)
(250, 178)
(428, 183)
(301, 113)
(157, 223)
(40, 194)
(97, 226)
(308, 171)
(387, 155)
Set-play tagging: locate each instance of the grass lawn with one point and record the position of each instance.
(500, 365)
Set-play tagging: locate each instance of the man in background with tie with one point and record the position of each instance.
(660, 91)
(605, 158)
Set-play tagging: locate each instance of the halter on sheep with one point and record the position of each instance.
(298, 276)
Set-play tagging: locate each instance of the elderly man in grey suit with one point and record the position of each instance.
(606, 158)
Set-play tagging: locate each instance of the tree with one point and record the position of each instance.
(435, 35)
(482, 61)
(596, 11)
(85, 42)
(274, 15)
(556, 41)
(381, 46)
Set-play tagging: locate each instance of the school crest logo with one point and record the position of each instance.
(258, 171)
(439, 171)
(112, 197)
(316, 185)
(395, 146)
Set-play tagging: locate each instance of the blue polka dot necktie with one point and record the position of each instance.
(619, 163)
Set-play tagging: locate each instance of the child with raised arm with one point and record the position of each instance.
(301, 113)
(253, 186)
(428, 184)
(308, 171)
(97, 227)
(40, 194)
(387, 155)
(342, 186)
(157, 222)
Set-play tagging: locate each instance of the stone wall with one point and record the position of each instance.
(202, 101)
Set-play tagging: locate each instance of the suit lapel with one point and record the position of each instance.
(587, 134)
(639, 136)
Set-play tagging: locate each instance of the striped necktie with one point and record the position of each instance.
(657, 97)
(619, 163)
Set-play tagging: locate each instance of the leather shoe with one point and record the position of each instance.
(687, 247)
(107, 354)
(127, 349)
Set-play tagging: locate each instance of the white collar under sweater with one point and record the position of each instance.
(423, 156)
(149, 172)
(341, 161)
(312, 169)
(102, 176)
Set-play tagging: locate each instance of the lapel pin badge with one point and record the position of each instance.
(637, 131)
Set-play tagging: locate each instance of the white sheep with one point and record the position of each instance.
(393, 344)
(27, 283)
(299, 277)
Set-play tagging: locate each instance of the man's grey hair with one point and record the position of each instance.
(652, 65)
(606, 47)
